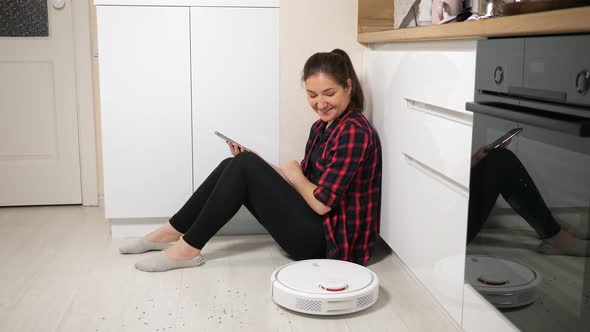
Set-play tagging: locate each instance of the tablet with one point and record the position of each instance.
(227, 139)
(504, 138)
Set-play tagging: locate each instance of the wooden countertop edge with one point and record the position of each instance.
(573, 20)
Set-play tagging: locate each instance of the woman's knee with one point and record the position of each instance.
(225, 162)
(246, 163)
(247, 158)
(503, 164)
(502, 157)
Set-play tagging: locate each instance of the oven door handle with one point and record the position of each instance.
(572, 125)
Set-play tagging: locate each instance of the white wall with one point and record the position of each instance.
(307, 27)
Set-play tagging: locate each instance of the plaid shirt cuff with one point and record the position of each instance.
(325, 196)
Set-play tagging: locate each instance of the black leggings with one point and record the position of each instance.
(501, 172)
(248, 180)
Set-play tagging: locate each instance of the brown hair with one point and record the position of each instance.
(338, 65)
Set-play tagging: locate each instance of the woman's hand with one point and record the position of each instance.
(291, 170)
(479, 155)
(235, 148)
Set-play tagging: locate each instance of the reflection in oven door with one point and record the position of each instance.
(528, 238)
(528, 223)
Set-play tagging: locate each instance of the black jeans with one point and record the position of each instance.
(501, 172)
(248, 180)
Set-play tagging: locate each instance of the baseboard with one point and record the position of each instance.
(135, 227)
(242, 223)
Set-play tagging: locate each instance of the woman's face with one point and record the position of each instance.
(327, 98)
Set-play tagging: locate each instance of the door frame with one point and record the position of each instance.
(85, 102)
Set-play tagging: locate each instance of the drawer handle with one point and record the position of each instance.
(464, 118)
(437, 175)
(549, 95)
(575, 126)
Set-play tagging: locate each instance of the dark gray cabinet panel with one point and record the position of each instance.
(499, 64)
(559, 68)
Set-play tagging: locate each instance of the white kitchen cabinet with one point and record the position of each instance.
(145, 95)
(235, 83)
(171, 73)
(380, 87)
(434, 215)
(417, 94)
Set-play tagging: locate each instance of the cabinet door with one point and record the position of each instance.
(558, 74)
(434, 212)
(145, 109)
(235, 78)
(381, 90)
(417, 94)
(499, 64)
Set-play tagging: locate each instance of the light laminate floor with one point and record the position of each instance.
(61, 271)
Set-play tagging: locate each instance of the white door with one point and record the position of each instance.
(39, 156)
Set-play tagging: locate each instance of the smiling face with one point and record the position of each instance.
(326, 97)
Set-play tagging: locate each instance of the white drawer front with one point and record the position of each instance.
(434, 214)
(439, 138)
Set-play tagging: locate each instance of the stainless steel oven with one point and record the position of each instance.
(530, 199)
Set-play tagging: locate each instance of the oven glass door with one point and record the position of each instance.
(528, 217)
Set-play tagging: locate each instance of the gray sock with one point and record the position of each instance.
(138, 246)
(580, 248)
(160, 262)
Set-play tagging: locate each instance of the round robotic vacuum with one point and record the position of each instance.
(324, 287)
(503, 282)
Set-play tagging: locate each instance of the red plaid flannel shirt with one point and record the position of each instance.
(350, 184)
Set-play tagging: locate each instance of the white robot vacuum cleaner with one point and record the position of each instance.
(324, 287)
(503, 282)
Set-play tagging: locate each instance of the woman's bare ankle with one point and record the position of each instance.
(562, 240)
(566, 226)
(164, 234)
